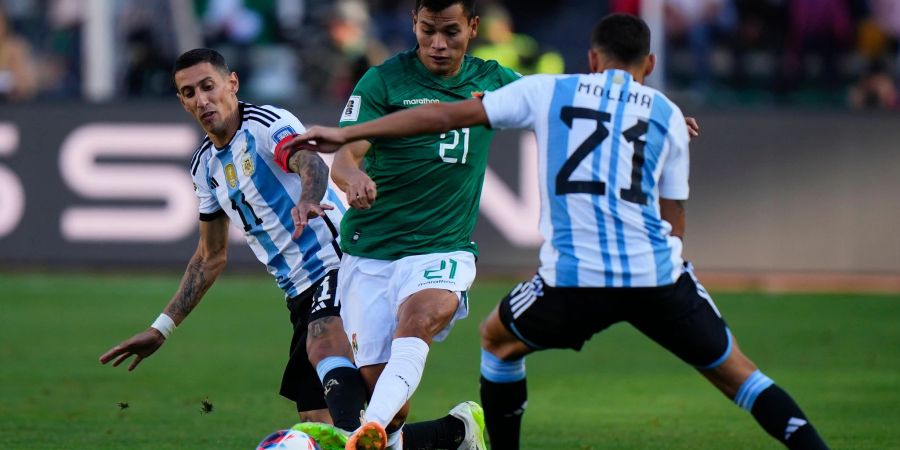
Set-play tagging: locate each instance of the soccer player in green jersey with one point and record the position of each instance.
(409, 259)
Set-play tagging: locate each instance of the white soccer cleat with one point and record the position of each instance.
(473, 417)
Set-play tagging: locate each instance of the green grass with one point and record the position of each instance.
(838, 355)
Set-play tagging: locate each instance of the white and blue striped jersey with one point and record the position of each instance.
(243, 180)
(609, 148)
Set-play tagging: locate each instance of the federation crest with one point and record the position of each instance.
(354, 344)
(247, 165)
(231, 175)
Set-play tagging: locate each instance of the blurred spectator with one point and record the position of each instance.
(497, 41)
(149, 45)
(885, 15)
(333, 67)
(758, 42)
(875, 90)
(696, 23)
(18, 79)
(392, 20)
(60, 60)
(821, 28)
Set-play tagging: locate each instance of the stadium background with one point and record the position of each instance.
(794, 189)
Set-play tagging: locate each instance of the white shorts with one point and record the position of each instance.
(370, 292)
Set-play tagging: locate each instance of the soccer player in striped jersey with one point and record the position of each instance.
(243, 175)
(613, 173)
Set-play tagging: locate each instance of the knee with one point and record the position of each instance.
(426, 313)
(498, 341)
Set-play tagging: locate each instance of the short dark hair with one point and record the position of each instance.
(196, 56)
(440, 5)
(622, 36)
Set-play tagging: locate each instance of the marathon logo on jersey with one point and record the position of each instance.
(351, 110)
(231, 175)
(419, 101)
(282, 133)
(247, 165)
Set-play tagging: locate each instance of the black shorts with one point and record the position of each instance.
(681, 317)
(300, 382)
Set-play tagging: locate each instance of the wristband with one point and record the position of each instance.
(164, 324)
(282, 156)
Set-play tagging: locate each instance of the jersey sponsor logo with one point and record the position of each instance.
(231, 175)
(354, 344)
(477, 94)
(247, 165)
(351, 110)
(419, 101)
(282, 133)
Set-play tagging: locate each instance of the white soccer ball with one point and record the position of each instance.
(288, 440)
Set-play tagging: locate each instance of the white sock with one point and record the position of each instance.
(395, 440)
(399, 379)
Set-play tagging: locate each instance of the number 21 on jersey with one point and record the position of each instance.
(450, 151)
(634, 135)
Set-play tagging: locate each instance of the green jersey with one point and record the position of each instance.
(429, 186)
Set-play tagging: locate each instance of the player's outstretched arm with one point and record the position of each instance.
(347, 173)
(203, 269)
(426, 119)
(314, 181)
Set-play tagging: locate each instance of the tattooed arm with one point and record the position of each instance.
(314, 181)
(203, 269)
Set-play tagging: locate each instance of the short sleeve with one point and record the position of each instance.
(512, 105)
(368, 100)
(673, 183)
(284, 125)
(203, 184)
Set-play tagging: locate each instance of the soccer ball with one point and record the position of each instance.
(288, 440)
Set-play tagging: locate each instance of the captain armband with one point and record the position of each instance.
(282, 154)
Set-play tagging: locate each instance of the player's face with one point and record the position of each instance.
(443, 37)
(208, 95)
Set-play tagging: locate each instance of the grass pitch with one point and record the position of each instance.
(838, 355)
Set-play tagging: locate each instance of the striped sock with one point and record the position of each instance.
(777, 413)
(504, 396)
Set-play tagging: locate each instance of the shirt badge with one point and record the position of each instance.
(231, 175)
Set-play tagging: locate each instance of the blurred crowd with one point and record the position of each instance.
(836, 52)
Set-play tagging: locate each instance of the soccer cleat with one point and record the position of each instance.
(327, 436)
(370, 436)
(473, 417)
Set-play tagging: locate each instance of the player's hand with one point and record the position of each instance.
(321, 139)
(361, 191)
(693, 127)
(142, 345)
(305, 211)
